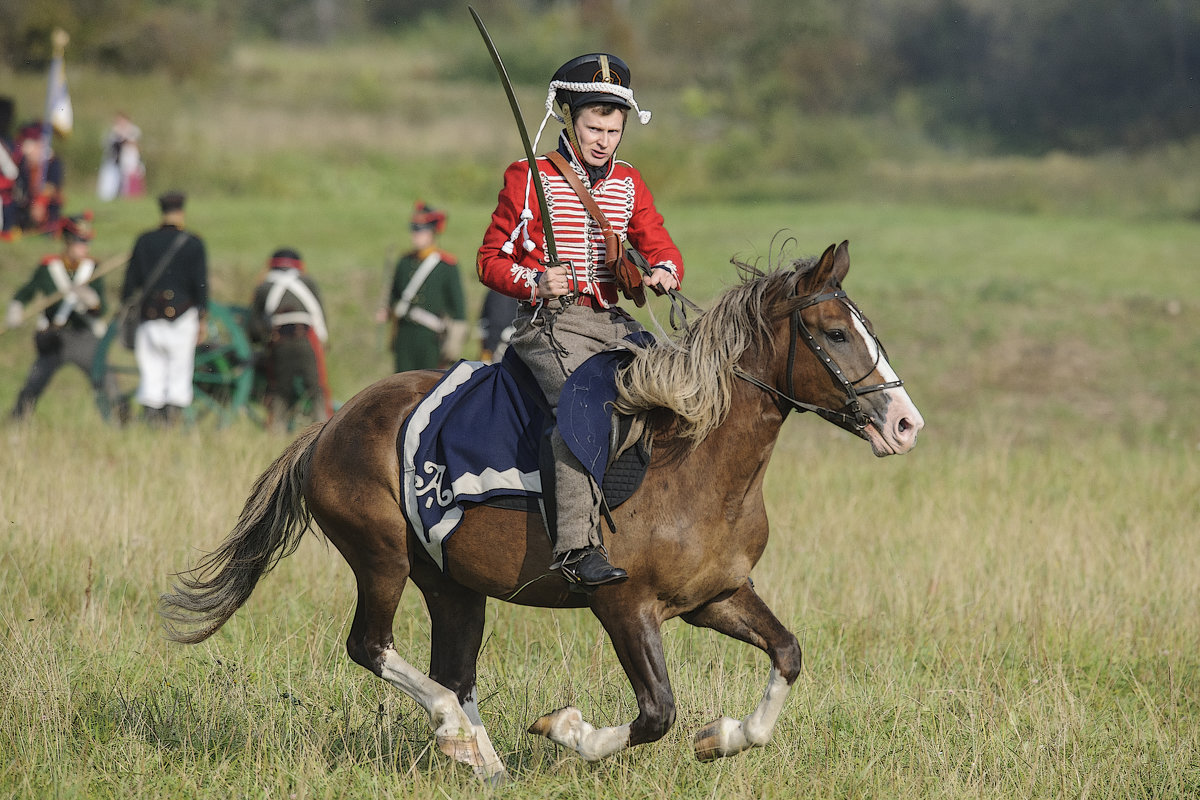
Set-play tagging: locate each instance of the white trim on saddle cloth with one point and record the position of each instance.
(430, 502)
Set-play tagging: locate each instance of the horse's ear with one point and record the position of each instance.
(841, 261)
(832, 267)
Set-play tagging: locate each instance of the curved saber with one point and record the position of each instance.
(551, 250)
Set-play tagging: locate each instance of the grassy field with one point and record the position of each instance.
(1008, 611)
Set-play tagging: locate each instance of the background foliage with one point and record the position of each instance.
(1027, 76)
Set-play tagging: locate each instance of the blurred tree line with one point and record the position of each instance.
(1004, 75)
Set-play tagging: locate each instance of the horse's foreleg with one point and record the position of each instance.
(744, 616)
(458, 736)
(457, 617)
(638, 643)
(370, 643)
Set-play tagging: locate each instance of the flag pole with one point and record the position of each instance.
(58, 102)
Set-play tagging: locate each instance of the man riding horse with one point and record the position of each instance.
(569, 308)
(782, 341)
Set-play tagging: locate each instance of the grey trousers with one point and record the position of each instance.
(553, 344)
(76, 347)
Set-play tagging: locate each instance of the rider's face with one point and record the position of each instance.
(598, 135)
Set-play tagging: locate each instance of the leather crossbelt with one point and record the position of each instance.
(629, 277)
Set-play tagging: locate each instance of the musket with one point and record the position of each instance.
(44, 302)
(547, 228)
(389, 267)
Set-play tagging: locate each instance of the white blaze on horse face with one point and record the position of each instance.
(897, 432)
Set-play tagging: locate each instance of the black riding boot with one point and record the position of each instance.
(584, 568)
(588, 567)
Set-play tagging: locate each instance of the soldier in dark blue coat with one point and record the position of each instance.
(168, 278)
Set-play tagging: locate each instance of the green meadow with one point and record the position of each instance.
(1008, 611)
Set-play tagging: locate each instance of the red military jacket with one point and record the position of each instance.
(508, 259)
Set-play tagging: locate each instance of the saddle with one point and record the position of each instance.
(477, 439)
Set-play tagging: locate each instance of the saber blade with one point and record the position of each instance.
(551, 250)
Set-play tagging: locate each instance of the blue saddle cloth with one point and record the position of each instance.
(477, 435)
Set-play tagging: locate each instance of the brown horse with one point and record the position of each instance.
(717, 397)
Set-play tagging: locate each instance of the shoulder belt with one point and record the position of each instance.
(65, 285)
(610, 237)
(284, 282)
(404, 306)
(628, 275)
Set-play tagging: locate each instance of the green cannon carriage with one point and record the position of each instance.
(224, 378)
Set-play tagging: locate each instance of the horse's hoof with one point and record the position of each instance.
(546, 724)
(712, 741)
(706, 749)
(462, 749)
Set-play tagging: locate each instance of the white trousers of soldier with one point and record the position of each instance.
(541, 341)
(165, 351)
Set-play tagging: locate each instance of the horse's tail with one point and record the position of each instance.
(273, 520)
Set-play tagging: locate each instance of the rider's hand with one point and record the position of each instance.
(661, 278)
(554, 282)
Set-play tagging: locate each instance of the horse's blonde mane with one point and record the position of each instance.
(692, 375)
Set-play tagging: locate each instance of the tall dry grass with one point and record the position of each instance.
(978, 619)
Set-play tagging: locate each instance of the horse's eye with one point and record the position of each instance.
(837, 336)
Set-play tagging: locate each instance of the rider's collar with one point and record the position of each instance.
(594, 174)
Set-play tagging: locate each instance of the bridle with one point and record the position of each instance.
(850, 416)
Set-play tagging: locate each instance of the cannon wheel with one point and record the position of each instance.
(223, 380)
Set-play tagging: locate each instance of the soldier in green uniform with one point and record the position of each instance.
(425, 305)
(69, 330)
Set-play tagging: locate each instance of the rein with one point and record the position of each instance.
(850, 416)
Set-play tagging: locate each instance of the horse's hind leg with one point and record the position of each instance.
(744, 616)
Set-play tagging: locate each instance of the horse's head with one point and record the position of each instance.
(792, 333)
(829, 360)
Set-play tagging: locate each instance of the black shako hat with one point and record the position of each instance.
(593, 70)
(77, 228)
(426, 217)
(285, 258)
